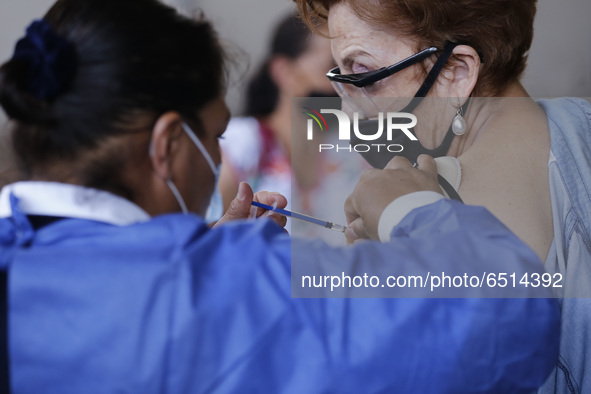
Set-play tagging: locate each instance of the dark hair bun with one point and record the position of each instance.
(18, 103)
(41, 67)
(96, 69)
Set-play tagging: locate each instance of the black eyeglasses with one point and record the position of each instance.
(364, 79)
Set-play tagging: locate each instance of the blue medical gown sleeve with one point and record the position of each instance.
(237, 328)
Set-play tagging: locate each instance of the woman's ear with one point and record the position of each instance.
(462, 73)
(165, 134)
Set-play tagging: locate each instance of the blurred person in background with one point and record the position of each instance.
(258, 147)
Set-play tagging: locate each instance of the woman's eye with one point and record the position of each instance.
(358, 68)
(221, 137)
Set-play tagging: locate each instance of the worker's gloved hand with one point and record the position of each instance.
(240, 207)
(376, 189)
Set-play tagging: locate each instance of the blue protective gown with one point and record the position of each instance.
(170, 306)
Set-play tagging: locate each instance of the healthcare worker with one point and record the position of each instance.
(113, 282)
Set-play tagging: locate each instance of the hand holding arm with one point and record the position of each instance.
(376, 189)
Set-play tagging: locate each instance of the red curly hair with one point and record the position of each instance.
(501, 31)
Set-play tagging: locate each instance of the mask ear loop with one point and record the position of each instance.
(172, 187)
(200, 146)
(178, 196)
(442, 149)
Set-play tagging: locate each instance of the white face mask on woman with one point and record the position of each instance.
(215, 208)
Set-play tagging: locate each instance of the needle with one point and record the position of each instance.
(296, 215)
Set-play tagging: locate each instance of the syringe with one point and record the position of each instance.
(332, 226)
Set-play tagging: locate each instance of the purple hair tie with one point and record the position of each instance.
(51, 60)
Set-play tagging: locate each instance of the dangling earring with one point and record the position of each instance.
(458, 126)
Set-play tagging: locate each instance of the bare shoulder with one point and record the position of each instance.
(506, 170)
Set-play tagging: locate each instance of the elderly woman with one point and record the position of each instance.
(111, 281)
(526, 161)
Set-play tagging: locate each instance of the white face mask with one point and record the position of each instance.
(215, 208)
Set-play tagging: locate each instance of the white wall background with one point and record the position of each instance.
(560, 57)
(559, 65)
(246, 24)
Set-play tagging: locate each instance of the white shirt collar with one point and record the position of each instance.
(72, 201)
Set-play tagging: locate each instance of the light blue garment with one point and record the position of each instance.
(170, 306)
(570, 253)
